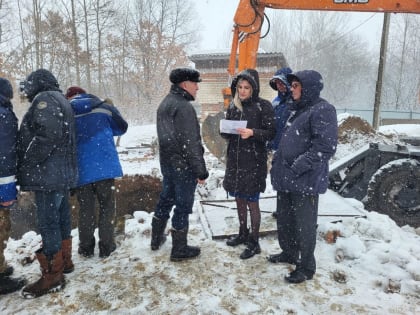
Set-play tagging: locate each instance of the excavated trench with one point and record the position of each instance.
(133, 193)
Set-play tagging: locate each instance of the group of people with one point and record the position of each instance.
(64, 144)
(299, 128)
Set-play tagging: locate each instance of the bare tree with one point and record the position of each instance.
(36, 18)
(88, 53)
(323, 41)
(162, 31)
(103, 17)
(80, 41)
(402, 77)
(75, 40)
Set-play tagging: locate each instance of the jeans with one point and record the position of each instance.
(178, 190)
(54, 220)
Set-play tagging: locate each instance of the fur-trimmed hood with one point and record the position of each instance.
(252, 77)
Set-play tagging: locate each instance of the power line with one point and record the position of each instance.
(338, 38)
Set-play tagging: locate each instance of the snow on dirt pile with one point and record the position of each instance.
(354, 132)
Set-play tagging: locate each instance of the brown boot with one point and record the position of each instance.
(66, 249)
(52, 277)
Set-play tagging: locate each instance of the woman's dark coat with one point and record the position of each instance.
(309, 140)
(246, 163)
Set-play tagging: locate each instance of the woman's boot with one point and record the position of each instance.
(241, 238)
(252, 248)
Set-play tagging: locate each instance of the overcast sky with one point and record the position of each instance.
(216, 18)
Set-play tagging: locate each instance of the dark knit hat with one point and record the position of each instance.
(39, 81)
(281, 75)
(179, 75)
(6, 88)
(74, 90)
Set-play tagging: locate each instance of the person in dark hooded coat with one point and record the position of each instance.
(299, 172)
(246, 162)
(8, 192)
(281, 104)
(47, 166)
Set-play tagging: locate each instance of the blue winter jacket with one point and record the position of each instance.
(8, 138)
(96, 125)
(308, 142)
(281, 113)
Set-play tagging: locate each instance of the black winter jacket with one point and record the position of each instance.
(179, 135)
(8, 136)
(246, 163)
(46, 145)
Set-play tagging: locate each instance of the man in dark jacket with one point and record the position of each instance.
(96, 125)
(8, 192)
(281, 105)
(181, 161)
(47, 166)
(300, 172)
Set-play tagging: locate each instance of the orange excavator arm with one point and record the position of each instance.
(249, 18)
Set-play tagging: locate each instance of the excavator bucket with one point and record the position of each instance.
(211, 136)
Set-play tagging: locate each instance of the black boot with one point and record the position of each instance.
(158, 233)
(7, 272)
(106, 249)
(299, 275)
(87, 250)
(283, 257)
(9, 285)
(241, 238)
(180, 249)
(252, 248)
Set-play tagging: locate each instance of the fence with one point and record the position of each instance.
(384, 115)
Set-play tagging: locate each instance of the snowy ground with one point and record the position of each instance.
(373, 268)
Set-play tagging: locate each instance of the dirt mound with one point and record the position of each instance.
(350, 126)
(133, 193)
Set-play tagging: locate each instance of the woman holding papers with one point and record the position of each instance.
(246, 163)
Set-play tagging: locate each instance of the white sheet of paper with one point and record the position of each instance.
(230, 126)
